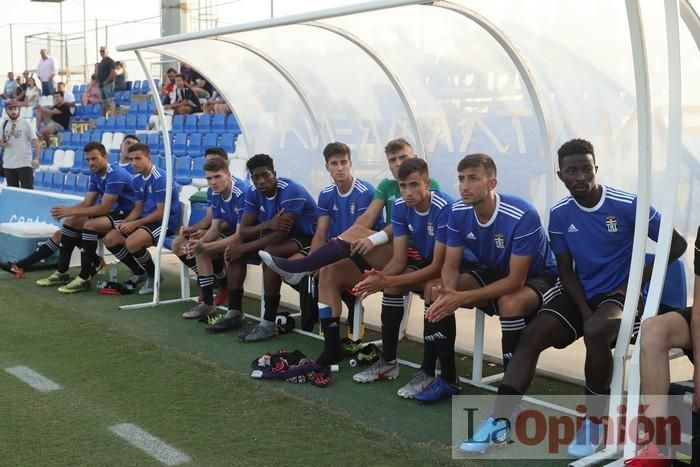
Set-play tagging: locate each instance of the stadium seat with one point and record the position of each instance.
(57, 182)
(68, 160)
(46, 157)
(117, 139)
(210, 141)
(204, 123)
(39, 180)
(232, 125)
(145, 87)
(69, 184)
(130, 125)
(136, 87)
(151, 107)
(84, 139)
(81, 183)
(198, 168)
(110, 124)
(183, 171)
(152, 141)
(191, 123)
(119, 97)
(179, 147)
(106, 139)
(142, 121)
(120, 124)
(79, 165)
(101, 123)
(218, 123)
(194, 146)
(178, 123)
(76, 88)
(228, 142)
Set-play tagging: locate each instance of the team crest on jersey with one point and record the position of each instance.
(410, 227)
(352, 208)
(611, 223)
(499, 240)
(431, 229)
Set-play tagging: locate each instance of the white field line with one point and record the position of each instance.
(32, 378)
(148, 443)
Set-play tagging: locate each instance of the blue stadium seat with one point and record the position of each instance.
(126, 96)
(46, 157)
(76, 88)
(204, 123)
(190, 123)
(183, 170)
(178, 123)
(210, 141)
(136, 87)
(156, 82)
(79, 165)
(113, 156)
(65, 138)
(198, 167)
(119, 97)
(56, 182)
(145, 87)
(674, 294)
(81, 184)
(129, 84)
(120, 124)
(69, 184)
(109, 124)
(160, 161)
(218, 123)
(85, 138)
(39, 180)
(179, 147)
(142, 121)
(228, 142)
(232, 125)
(151, 107)
(80, 112)
(130, 123)
(152, 141)
(194, 146)
(83, 87)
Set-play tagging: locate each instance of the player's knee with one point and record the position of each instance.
(654, 336)
(598, 333)
(509, 306)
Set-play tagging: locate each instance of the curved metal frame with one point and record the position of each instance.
(691, 19)
(527, 77)
(388, 71)
(308, 105)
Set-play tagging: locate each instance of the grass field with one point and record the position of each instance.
(193, 391)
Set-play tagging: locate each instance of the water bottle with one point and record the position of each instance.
(113, 274)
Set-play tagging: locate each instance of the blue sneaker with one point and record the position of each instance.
(588, 439)
(437, 390)
(491, 431)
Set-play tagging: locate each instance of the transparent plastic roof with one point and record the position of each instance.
(436, 75)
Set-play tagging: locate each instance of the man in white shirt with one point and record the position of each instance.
(46, 69)
(17, 138)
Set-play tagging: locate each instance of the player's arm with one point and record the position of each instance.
(135, 213)
(371, 214)
(155, 216)
(89, 209)
(678, 247)
(572, 284)
(321, 235)
(198, 229)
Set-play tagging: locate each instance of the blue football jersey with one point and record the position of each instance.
(151, 190)
(128, 168)
(291, 197)
(514, 229)
(115, 181)
(424, 228)
(600, 238)
(230, 209)
(344, 209)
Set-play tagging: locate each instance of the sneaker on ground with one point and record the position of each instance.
(491, 431)
(56, 278)
(437, 390)
(378, 370)
(148, 286)
(418, 383)
(199, 311)
(221, 297)
(650, 456)
(75, 286)
(291, 278)
(259, 332)
(224, 324)
(587, 440)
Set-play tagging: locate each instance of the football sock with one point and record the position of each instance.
(206, 283)
(235, 299)
(392, 314)
(88, 249)
(429, 349)
(143, 257)
(70, 238)
(330, 252)
(272, 304)
(446, 333)
(122, 254)
(511, 330)
(189, 262)
(44, 251)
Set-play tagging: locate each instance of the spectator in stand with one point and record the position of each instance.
(201, 86)
(9, 88)
(92, 93)
(68, 96)
(46, 69)
(121, 78)
(21, 86)
(17, 139)
(216, 104)
(55, 118)
(186, 72)
(166, 88)
(31, 94)
(185, 102)
(105, 79)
